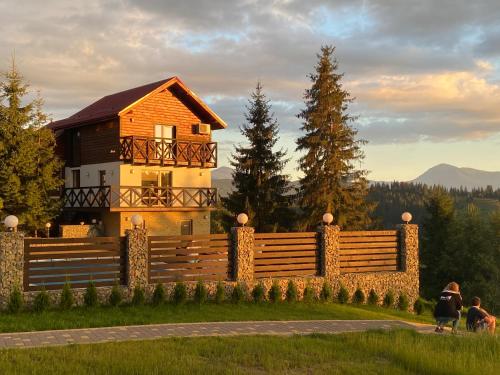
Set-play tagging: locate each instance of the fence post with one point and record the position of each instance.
(137, 258)
(409, 250)
(329, 250)
(11, 264)
(243, 261)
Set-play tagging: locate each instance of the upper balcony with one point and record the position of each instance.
(133, 198)
(168, 152)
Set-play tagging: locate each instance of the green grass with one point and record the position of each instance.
(376, 352)
(82, 317)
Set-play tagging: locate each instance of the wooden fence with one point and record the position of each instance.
(369, 251)
(50, 262)
(185, 258)
(286, 254)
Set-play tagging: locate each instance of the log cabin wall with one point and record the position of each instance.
(165, 108)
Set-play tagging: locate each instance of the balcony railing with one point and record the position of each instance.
(118, 197)
(166, 151)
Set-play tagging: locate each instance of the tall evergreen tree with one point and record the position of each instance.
(331, 181)
(28, 167)
(260, 186)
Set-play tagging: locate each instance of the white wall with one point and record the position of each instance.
(89, 174)
(130, 175)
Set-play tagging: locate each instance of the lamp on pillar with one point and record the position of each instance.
(11, 222)
(406, 217)
(242, 219)
(47, 228)
(136, 220)
(327, 218)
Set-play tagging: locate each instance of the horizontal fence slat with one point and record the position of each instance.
(389, 262)
(189, 266)
(103, 254)
(188, 237)
(284, 248)
(173, 278)
(73, 285)
(194, 273)
(186, 258)
(286, 241)
(177, 244)
(51, 279)
(83, 240)
(73, 263)
(368, 269)
(205, 251)
(367, 257)
(259, 236)
(352, 245)
(368, 233)
(287, 267)
(261, 275)
(73, 271)
(309, 260)
(287, 254)
(385, 250)
(368, 239)
(64, 248)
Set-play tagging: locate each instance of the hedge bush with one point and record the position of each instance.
(115, 297)
(16, 302)
(220, 293)
(139, 297)
(358, 297)
(274, 294)
(343, 295)
(258, 293)
(239, 294)
(41, 301)
(373, 298)
(90, 298)
(158, 297)
(308, 295)
(67, 300)
(291, 292)
(179, 295)
(326, 292)
(419, 306)
(403, 302)
(200, 293)
(389, 299)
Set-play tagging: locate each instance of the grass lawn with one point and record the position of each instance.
(394, 352)
(81, 317)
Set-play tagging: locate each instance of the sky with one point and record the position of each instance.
(425, 74)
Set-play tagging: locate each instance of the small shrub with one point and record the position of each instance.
(258, 293)
(358, 297)
(326, 292)
(373, 298)
(291, 292)
(239, 294)
(274, 294)
(419, 306)
(220, 293)
(15, 301)
(42, 301)
(403, 302)
(200, 293)
(389, 299)
(139, 297)
(158, 295)
(67, 300)
(115, 297)
(309, 295)
(343, 295)
(179, 295)
(90, 297)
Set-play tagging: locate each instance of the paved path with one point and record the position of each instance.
(157, 331)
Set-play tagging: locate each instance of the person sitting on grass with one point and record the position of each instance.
(448, 308)
(478, 319)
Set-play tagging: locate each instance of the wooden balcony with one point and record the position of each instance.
(168, 152)
(123, 198)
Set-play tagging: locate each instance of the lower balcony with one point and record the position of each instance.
(121, 198)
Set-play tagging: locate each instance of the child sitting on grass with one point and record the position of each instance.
(479, 319)
(448, 308)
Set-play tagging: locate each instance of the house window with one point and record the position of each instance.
(75, 174)
(156, 179)
(165, 131)
(186, 227)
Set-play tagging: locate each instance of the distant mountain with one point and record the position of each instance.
(451, 176)
(222, 173)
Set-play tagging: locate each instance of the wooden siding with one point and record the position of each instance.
(163, 108)
(99, 141)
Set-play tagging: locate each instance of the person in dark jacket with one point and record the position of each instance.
(478, 318)
(448, 308)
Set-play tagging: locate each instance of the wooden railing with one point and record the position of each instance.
(286, 254)
(165, 151)
(369, 251)
(51, 262)
(185, 258)
(139, 196)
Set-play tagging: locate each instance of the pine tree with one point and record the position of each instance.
(28, 167)
(258, 179)
(331, 181)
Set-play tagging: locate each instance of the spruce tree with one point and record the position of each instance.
(331, 182)
(260, 186)
(28, 167)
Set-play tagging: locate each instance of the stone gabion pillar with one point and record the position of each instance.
(243, 249)
(137, 258)
(11, 263)
(409, 251)
(329, 249)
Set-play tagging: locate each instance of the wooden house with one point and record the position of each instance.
(146, 150)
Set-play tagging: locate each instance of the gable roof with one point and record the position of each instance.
(114, 105)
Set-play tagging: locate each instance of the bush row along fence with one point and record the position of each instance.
(388, 259)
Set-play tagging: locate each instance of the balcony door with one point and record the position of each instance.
(154, 188)
(164, 135)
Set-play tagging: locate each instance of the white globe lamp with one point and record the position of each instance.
(406, 217)
(327, 218)
(242, 219)
(136, 220)
(11, 222)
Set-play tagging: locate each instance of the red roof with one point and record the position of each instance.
(110, 106)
